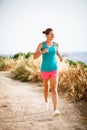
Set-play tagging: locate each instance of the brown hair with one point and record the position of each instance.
(47, 31)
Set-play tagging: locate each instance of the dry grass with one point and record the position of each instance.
(72, 79)
(6, 63)
(73, 83)
(27, 69)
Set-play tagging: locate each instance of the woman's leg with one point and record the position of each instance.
(46, 89)
(53, 85)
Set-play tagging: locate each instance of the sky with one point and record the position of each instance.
(22, 23)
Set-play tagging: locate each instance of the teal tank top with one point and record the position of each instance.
(49, 59)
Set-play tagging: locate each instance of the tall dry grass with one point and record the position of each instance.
(72, 79)
(6, 63)
(27, 69)
(73, 83)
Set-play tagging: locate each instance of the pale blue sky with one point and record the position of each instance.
(22, 23)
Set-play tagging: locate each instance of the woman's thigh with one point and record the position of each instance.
(53, 82)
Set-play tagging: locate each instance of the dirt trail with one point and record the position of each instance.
(22, 108)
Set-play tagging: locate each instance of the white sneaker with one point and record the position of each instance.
(56, 113)
(47, 106)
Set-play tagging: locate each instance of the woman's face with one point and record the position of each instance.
(50, 35)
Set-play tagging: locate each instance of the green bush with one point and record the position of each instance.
(28, 54)
(21, 73)
(76, 63)
(70, 62)
(16, 56)
(81, 64)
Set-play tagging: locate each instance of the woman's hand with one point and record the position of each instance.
(45, 50)
(61, 59)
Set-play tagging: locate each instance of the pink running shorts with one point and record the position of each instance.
(47, 75)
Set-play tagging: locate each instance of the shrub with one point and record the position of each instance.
(76, 63)
(21, 73)
(27, 70)
(28, 54)
(2, 63)
(16, 56)
(71, 63)
(73, 83)
(6, 63)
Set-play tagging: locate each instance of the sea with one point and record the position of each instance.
(75, 56)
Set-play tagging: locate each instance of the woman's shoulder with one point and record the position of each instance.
(41, 44)
(56, 43)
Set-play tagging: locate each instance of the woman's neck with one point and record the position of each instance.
(49, 42)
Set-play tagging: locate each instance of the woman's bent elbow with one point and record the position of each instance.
(34, 56)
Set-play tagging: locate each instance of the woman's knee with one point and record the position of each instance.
(54, 90)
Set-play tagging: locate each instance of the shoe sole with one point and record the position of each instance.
(56, 114)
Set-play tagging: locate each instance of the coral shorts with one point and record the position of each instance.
(47, 75)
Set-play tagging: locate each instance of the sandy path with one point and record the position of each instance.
(22, 108)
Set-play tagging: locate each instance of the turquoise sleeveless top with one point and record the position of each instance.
(49, 61)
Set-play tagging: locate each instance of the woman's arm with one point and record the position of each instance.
(58, 54)
(38, 51)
